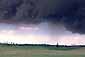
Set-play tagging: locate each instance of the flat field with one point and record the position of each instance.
(36, 51)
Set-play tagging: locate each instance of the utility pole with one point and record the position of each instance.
(57, 45)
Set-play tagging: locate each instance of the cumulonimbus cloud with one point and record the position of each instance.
(71, 13)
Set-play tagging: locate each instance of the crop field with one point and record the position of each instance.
(35, 51)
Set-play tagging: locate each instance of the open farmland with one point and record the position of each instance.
(35, 51)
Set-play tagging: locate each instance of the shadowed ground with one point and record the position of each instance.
(33, 51)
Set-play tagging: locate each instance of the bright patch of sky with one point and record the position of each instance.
(43, 33)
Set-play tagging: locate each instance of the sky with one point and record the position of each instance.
(42, 33)
(42, 21)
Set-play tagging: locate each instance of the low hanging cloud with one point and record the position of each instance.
(69, 13)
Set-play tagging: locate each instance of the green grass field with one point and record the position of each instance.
(35, 51)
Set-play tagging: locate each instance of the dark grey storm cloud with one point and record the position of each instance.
(71, 13)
